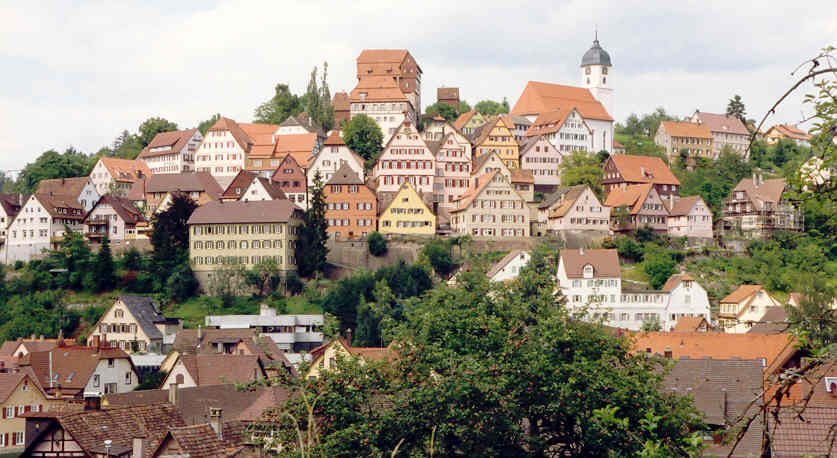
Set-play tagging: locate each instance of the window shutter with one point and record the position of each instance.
(4, 412)
(28, 408)
(7, 439)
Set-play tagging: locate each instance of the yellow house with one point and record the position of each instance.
(498, 138)
(19, 394)
(325, 357)
(469, 121)
(407, 214)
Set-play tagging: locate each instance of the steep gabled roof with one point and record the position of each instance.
(519, 175)
(52, 204)
(767, 191)
(125, 170)
(377, 89)
(241, 181)
(790, 131)
(743, 292)
(71, 187)
(722, 123)
(9, 381)
(272, 188)
(173, 141)
(463, 119)
(540, 97)
(632, 196)
(675, 280)
(146, 312)
(473, 191)
(228, 125)
(683, 206)
(774, 321)
(219, 369)
(643, 169)
(806, 433)
(197, 441)
(123, 207)
(605, 262)
(504, 262)
(569, 196)
(345, 175)
(690, 324)
(72, 367)
(379, 56)
(550, 122)
(334, 139)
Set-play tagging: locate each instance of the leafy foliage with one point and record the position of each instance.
(50, 164)
(713, 180)
(582, 168)
(311, 251)
(444, 110)
(282, 105)
(377, 244)
(658, 264)
(206, 124)
(438, 254)
(490, 107)
(735, 107)
(363, 136)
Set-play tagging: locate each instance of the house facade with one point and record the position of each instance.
(191, 370)
(453, 170)
(20, 394)
(224, 149)
(744, 307)
(41, 225)
(380, 98)
(689, 217)
(496, 137)
(590, 281)
(331, 157)
(635, 207)
(262, 189)
(467, 123)
(623, 170)
(397, 65)
(115, 218)
(757, 207)
(565, 129)
(786, 131)
(292, 180)
(727, 131)
(492, 208)
(67, 372)
(326, 357)
(172, 152)
(692, 137)
(264, 159)
(293, 333)
(541, 157)
(509, 267)
(407, 214)
(351, 207)
(405, 159)
(243, 233)
(201, 187)
(117, 176)
(134, 324)
(573, 208)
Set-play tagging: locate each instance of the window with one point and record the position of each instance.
(111, 388)
(95, 380)
(17, 437)
(110, 362)
(128, 378)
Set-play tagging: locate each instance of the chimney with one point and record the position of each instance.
(32, 337)
(668, 354)
(215, 420)
(200, 335)
(138, 448)
(42, 338)
(173, 394)
(92, 401)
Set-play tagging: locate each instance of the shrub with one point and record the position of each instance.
(377, 244)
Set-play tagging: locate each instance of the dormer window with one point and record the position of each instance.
(588, 271)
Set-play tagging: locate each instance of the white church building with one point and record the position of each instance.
(594, 99)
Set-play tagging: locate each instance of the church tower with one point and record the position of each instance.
(595, 74)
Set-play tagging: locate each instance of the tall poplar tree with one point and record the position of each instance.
(311, 250)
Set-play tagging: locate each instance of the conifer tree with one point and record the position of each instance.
(104, 268)
(311, 250)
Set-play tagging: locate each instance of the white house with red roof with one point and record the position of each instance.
(172, 152)
(331, 157)
(689, 217)
(117, 176)
(224, 149)
(574, 208)
(491, 208)
(543, 159)
(509, 267)
(453, 169)
(565, 129)
(380, 98)
(405, 158)
(594, 100)
(590, 281)
(726, 131)
(115, 218)
(635, 207)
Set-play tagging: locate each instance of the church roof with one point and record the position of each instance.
(596, 55)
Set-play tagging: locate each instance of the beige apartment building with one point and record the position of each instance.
(245, 233)
(492, 208)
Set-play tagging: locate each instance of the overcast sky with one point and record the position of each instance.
(78, 73)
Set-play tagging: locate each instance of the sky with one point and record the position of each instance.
(78, 73)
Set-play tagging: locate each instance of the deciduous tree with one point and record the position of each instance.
(363, 136)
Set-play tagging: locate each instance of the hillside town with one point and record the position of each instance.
(509, 279)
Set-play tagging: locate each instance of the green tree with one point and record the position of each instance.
(735, 107)
(490, 370)
(282, 105)
(104, 268)
(181, 284)
(658, 265)
(132, 259)
(311, 251)
(51, 164)
(327, 115)
(363, 136)
(170, 237)
(463, 107)
(151, 127)
(442, 109)
(490, 107)
(377, 244)
(582, 168)
(205, 125)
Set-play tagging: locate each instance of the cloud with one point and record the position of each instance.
(79, 73)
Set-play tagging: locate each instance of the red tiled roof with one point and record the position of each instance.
(63, 186)
(377, 89)
(686, 129)
(123, 207)
(186, 182)
(632, 196)
(675, 280)
(125, 170)
(175, 141)
(72, 367)
(197, 441)
(549, 122)
(241, 181)
(540, 97)
(220, 369)
(340, 101)
(643, 169)
(723, 123)
(742, 293)
(789, 131)
(605, 262)
(334, 139)
(378, 56)
(767, 191)
(683, 206)
(463, 119)
(569, 197)
(809, 433)
(522, 176)
(689, 324)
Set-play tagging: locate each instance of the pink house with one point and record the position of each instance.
(635, 207)
(453, 170)
(573, 208)
(689, 217)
